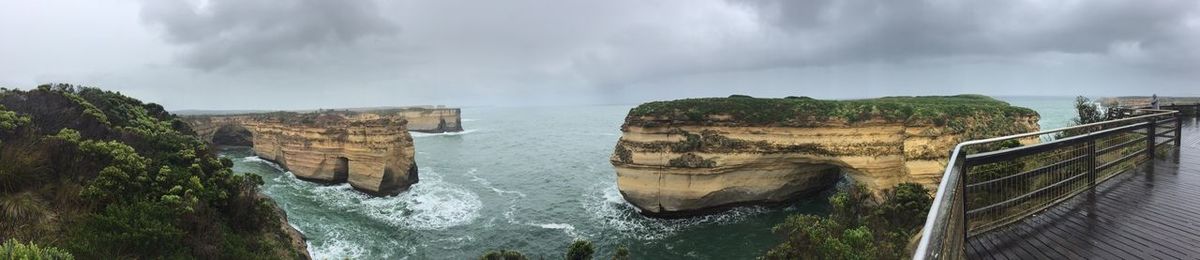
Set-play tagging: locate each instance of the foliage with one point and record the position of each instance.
(140, 228)
(118, 178)
(802, 111)
(10, 120)
(1087, 112)
(12, 249)
(858, 227)
(580, 250)
(621, 254)
(503, 255)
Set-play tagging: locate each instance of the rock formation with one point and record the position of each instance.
(692, 156)
(373, 154)
(421, 119)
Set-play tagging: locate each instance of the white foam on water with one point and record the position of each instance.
(428, 205)
(612, 210)
(337, 247)
(566, 228)
(468, 120)
(473, 173)
(255, 158)
(420, 134)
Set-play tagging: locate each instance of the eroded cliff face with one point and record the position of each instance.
(678, 162)
(373, 155)
(427, 120)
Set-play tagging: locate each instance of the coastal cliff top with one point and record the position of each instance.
(805, 111)
(315, 118)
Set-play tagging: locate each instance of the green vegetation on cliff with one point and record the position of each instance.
(803, 111)
(103, 175)
(858, 226)
(578, 250)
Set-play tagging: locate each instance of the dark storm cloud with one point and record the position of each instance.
(257, 32)
(1157, 34)
(915, 29)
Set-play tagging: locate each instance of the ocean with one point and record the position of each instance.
(531, 179)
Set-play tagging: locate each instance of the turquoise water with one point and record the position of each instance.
(529, 179)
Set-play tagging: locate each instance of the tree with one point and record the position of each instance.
(580, 250)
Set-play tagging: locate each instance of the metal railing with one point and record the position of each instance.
(993, 182)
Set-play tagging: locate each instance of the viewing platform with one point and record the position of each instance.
(1107, 190)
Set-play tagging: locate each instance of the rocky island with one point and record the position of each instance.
(373, 153)
(693, 156)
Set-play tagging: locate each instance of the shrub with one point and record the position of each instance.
(857, 227)
(12, 249)
(580, 250)
(140, 228)
(621, 254)
(112, 177)
(503, 255)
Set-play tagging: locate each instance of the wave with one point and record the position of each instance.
(488, 184)
(429, 204)
(566, 228)
(255, 158)
(420, 134)
(612, 211)
(468, 120)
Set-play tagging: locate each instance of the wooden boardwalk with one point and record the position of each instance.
(1152, 212)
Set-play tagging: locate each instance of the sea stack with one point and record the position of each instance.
(696, 156)
(375, 155)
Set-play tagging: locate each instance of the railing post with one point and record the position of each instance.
(962, 191)
(1178, 131)
(1150, 139)
(1091, 162)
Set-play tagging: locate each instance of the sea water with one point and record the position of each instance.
(531, 179)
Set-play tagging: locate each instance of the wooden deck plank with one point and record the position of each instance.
(1151, 211)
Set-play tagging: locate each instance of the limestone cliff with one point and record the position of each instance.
(691, 156)
(374, 155)
(421, 119)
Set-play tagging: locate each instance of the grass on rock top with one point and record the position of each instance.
(805, 111)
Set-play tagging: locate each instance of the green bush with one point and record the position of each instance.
(118, 178)
(12, 249)
(857, 227)
(580, 250)
(503, 255)
(957, 112)
(141, 228)
(621, 254)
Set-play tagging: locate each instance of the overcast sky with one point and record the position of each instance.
(297, 54)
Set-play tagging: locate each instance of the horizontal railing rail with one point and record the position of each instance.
(992, 182)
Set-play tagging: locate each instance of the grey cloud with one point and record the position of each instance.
(1156, 34)
(256, 32)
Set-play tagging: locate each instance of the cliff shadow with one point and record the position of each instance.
(341, 169)
(233, 135)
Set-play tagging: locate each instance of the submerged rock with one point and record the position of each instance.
(694, 156)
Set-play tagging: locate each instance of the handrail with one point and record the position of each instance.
(952, 188)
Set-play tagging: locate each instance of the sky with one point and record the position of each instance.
(304, 54)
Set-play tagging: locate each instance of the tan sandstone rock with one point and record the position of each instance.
(670, 161)
(373, 155)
